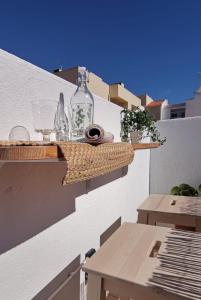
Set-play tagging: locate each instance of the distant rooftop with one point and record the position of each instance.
(155, 103)
(178, 104)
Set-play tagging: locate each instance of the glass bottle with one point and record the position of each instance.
(61, 123)
(82, 106)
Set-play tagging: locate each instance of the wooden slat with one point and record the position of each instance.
(28, 152)
(141, 146)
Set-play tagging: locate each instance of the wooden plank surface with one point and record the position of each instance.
(141, 146)
(133, 259)
(122, 255)
(28, 152)
(161, 203)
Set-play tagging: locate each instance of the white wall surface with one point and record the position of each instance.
(43, 225)
(165, 111)
(178, 160)
(193, 107)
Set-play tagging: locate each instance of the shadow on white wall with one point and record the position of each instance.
(32, 198)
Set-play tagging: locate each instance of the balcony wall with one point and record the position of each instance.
(178, 161)
(43, 225)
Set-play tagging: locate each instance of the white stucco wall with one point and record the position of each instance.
(40, 235)
(178, 160)
(193, 107)
(165, 113)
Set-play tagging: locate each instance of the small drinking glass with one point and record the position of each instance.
(43, 111)
(19, 133)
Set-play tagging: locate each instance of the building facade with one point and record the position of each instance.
(116, 93)
(95, 84)
(157, 108)
(177, 110)
(121, 96)
(190, 108)
(193, 106)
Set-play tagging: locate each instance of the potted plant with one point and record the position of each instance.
(185, 189)
(138, 123)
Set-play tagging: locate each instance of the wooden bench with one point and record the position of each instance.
(182, 211)
(143, 262)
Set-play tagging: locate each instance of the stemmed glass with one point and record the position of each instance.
(43, 111)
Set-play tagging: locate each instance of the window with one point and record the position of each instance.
(177, 113)
(173, 115)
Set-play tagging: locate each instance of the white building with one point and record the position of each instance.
(193, 107)
(189, 108)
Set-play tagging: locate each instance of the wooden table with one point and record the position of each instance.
(178, 210)
(143, 262)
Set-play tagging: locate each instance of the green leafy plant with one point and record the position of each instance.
(185, 189)
(139, 120)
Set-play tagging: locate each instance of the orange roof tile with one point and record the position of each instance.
(155, 103)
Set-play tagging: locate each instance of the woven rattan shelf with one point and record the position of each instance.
(83, 160)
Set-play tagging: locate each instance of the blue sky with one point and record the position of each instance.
(153, 46)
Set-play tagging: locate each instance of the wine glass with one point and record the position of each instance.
(19, 133)
(43, 111)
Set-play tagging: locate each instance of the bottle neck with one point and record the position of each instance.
(82, 82)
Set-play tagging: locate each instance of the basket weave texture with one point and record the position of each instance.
(85, 161)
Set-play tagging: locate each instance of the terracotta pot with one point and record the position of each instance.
(136, 136)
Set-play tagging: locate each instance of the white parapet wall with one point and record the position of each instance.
(43, 225)
(178, 160)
